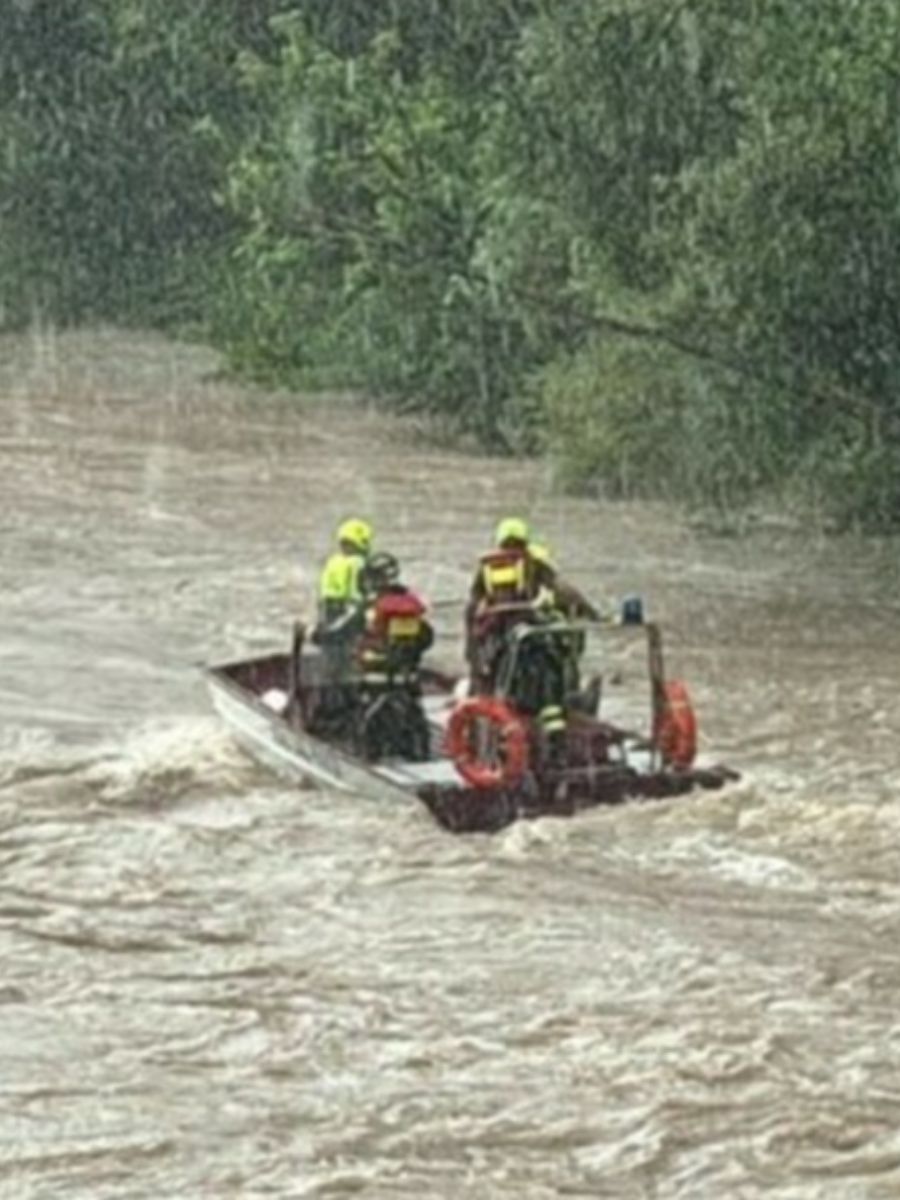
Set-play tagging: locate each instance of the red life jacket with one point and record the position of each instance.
(397, 633)
(396, 617)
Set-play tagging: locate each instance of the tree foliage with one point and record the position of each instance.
(659, 240)
(108, 198)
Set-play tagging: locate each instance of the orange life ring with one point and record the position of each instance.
(511, 738)
(676, 728)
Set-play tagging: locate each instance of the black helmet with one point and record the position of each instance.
(382, 570)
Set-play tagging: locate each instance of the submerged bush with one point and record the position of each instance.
(627, 418)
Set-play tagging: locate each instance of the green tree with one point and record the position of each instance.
(108, 198)
(365, 192)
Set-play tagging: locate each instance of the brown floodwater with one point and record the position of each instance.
(216, 985)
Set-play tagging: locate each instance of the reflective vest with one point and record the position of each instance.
(507, 577)
(340, 578)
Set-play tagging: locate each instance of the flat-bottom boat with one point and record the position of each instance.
(267, 702)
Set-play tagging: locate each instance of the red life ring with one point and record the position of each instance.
(511, 738)
(676, 728)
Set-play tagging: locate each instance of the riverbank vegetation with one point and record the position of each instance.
(657, 241)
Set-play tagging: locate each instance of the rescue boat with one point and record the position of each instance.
(482, 765)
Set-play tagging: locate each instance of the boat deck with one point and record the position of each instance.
(438, 772)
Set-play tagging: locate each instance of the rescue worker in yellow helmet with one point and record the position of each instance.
(341, 581)
(340, 625)
(516, 583)
(506, 584)
(518, 575)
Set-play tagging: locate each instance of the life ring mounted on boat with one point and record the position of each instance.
(676, 727)
(487, 723)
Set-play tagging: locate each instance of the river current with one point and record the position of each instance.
(217, 985)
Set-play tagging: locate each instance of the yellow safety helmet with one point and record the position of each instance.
(512, 529)
(357, 532)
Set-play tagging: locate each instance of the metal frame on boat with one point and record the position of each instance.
(265, 701)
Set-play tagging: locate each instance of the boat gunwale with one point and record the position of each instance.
(364, 777)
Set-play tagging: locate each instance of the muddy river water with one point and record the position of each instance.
(216, 985)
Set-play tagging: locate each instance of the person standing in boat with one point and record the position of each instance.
(341, 615)
(518, 578)
(517, 584)
(340, 623)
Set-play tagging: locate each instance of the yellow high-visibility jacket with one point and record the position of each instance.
(340, 578)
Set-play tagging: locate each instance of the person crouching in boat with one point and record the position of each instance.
(341, 622)
(397, 635)
(517, 584)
